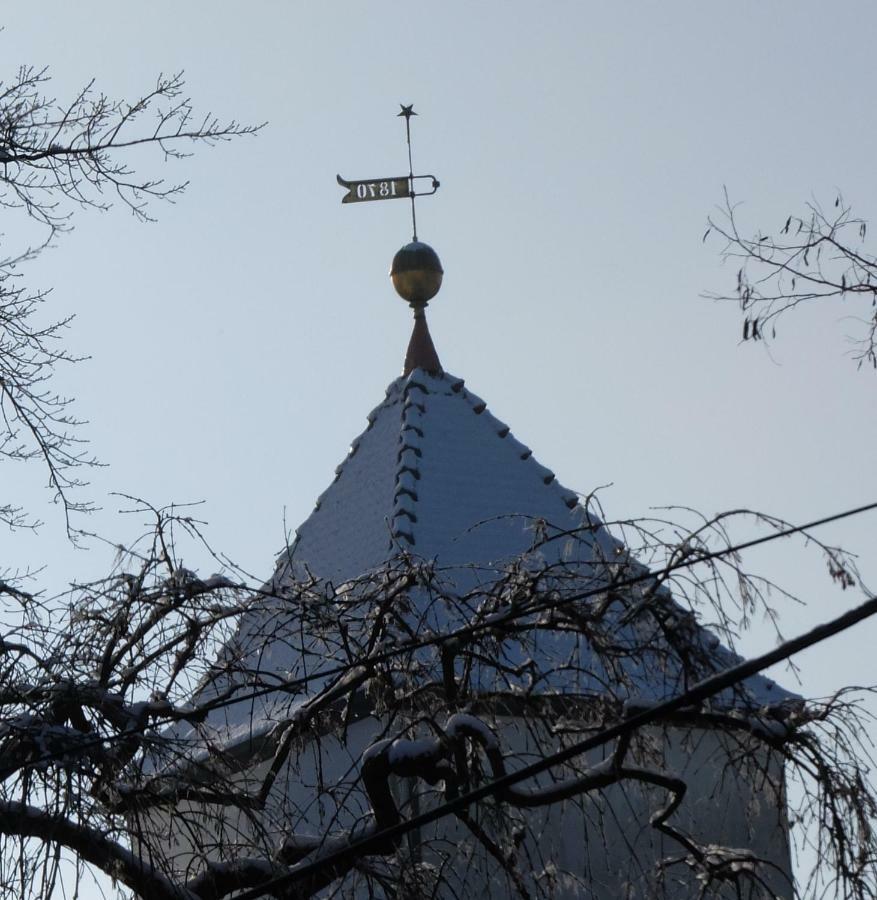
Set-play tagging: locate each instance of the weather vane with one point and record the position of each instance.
(391, 188)
(416, 271)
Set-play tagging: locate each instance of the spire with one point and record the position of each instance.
(416, 270)
(421, 352)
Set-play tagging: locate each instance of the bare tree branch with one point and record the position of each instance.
(119, 716)
(55, 158)
(90, 844)
(814, 257)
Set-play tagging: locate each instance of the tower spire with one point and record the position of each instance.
(416, 271)
(421, 353)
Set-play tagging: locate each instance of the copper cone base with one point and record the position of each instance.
(421, 350)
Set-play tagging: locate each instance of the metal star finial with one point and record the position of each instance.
(407, 111)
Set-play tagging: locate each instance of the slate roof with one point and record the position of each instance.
(436, 474)
(437, 477)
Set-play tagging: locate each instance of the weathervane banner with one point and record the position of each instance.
(393, 188)
(375, 189)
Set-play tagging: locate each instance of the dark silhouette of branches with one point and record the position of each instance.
(55, 157)
(817, 256)
(36, 421)
(112, 744)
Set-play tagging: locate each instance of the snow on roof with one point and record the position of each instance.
(438, 478)
(435, 474)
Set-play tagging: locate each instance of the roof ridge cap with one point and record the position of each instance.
(420, 372)
(287, 555)
(567, 496)
(404, 513)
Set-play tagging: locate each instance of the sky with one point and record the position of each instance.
(236, 345)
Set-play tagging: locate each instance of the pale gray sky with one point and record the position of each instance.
(238, 344)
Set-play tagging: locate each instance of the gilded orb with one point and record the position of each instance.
(416, 273)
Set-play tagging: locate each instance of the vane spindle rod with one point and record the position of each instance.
(408, 112)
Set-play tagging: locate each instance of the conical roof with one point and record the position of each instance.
(437, 475)
(437, 480)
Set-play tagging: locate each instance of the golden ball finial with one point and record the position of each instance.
(417, 273)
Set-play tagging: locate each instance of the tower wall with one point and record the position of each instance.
(599, 846)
